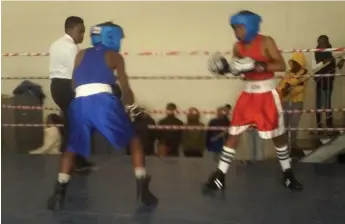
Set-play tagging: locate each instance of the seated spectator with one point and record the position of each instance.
(169, 141)
(52, 136)
(228, 109)
(147, 136)
(215, 139)
(292, 89)
(193, 141)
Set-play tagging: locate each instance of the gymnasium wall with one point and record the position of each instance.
(164, 26)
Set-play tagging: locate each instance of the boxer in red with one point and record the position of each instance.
(257, 58)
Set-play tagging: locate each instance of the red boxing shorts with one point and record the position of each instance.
(258, 106)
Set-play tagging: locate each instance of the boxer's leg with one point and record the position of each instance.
(138, 158)
(78, 143)
(242, 114)
(282, 150)
(276, 130)
(283, 155)
(112, 121)
(217, 179)
(228, 152)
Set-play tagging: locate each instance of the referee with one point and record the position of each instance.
(61, 63)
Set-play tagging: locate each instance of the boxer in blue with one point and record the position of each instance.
(96, 107)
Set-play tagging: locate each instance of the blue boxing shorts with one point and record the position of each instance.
(102, 112)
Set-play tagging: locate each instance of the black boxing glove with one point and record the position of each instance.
(217, 64)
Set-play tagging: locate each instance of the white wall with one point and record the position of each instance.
(162, 26)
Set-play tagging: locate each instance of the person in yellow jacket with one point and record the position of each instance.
(292, 88)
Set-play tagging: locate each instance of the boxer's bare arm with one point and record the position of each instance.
(117, 63)
(277, 64)
(235, 53)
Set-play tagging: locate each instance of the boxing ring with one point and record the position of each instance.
(254, 193)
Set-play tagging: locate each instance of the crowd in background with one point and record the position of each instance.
(192, 143)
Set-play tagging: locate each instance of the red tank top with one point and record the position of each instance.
(254, 51)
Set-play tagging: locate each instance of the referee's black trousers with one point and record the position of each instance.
(63, 94)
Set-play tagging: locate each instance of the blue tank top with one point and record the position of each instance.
(93, 68)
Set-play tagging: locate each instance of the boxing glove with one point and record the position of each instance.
(217, 64)
(247, 64)
(133, 111)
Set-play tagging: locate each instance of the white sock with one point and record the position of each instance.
(283, 155)
(225, 159)
(63, 178)
(140, 172)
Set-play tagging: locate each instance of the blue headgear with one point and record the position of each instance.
(251, 22)
(109, 35)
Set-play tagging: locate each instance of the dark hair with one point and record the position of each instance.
(326, 38)
(171, 106)
(321, 56)
(228, 106)
(72, 21)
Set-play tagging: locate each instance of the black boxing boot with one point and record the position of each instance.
(215, 182)
(290, 181)
(144, 194)
(57, 200)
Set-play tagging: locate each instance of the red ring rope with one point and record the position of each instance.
(171, 77)
(204, 112)
(177, 53)
(181, 127)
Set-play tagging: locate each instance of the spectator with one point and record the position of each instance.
(52, 136)
(292, 89)
(193, 141)
(228, 108)
(324, 85)
(215, 139)
(169, 141)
